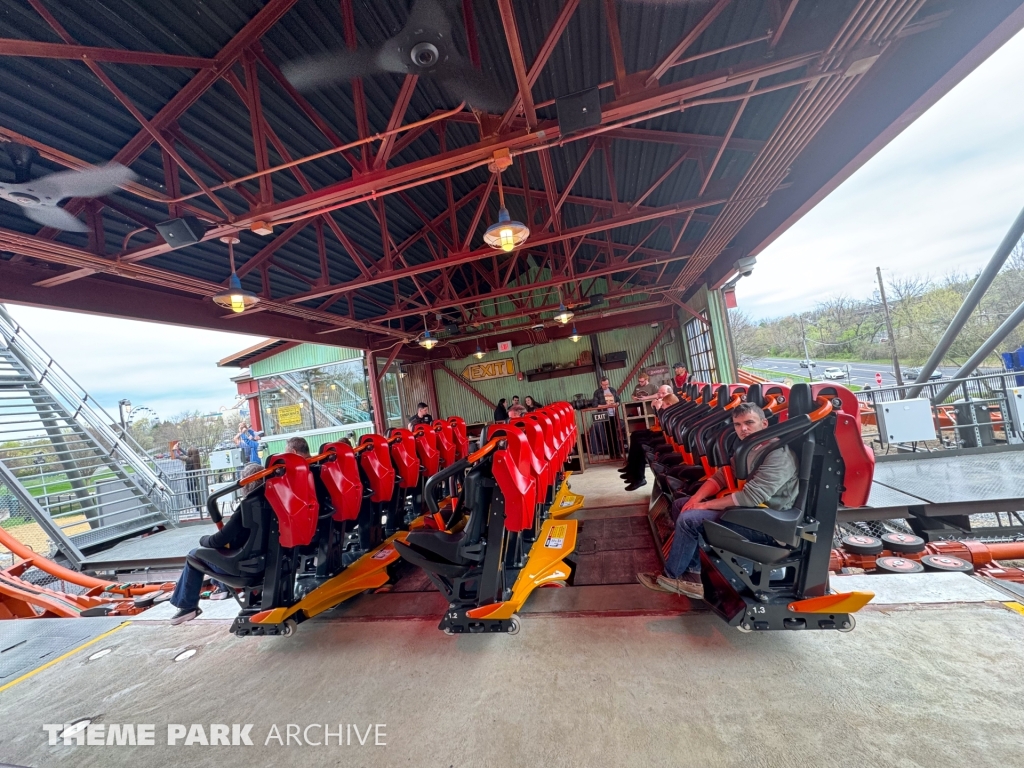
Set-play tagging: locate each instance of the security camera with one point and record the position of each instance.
(745, 266)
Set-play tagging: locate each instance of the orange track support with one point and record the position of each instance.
(20, 599)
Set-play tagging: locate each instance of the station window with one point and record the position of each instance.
(315, 398)
(702, 349)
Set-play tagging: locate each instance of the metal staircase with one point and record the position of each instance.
(74, 471)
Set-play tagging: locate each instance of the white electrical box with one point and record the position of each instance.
(905, 421)
(1015, 397)
(226, 459)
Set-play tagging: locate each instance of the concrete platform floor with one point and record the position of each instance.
(909, 687)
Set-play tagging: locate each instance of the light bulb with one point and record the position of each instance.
(237, 302)
(507, 239)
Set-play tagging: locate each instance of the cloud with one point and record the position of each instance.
(167, 368)
(938, 198)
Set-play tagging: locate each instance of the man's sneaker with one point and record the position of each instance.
(185, 615)
(688, 584)
(650, 580)
(636, 484)
(220, 594)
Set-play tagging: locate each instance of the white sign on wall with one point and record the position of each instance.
(504, 346)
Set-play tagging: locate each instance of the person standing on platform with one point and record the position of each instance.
(249, 442)
(422, 416)
(501, 411)
(606, 394)
(517, 409)
(680, 377)
(643, 390)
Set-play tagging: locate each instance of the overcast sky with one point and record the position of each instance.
(939, 197)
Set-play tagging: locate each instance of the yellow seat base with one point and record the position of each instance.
(368, 572)
(566, 502)
(544, 564)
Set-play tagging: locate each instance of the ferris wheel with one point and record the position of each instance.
(143, 412)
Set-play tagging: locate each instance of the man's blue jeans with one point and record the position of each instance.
(684, 555)
(190, 586)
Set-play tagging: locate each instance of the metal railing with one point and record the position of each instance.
(977, 413)
(63, 388)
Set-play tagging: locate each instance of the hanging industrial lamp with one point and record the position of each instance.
(505, 234)
(479, 354)
(427, 341)
(564, 315)
(235, 298)
(575, 335)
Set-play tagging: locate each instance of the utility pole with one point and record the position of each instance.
(888, 325)
(807, 357)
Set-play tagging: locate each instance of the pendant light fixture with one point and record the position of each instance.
(575, 335)
(564, 315)
(505, 234)
(427, 341)
(235, 298)
(479, 354)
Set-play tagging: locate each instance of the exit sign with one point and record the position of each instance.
(504, 346)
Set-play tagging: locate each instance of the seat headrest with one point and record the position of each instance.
(801, 401)
(722, 393)
(706, 393)
(755, 396)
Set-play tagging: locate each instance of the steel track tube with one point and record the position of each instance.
(970, 304)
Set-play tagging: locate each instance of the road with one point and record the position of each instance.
(861, 373)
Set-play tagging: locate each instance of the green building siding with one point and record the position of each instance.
(454, 399)
(302, 356)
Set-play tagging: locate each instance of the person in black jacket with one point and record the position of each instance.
(231, 536)
(501, 412)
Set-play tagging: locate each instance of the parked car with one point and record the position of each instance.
(808, 364)
(834, 373)
(911, 374)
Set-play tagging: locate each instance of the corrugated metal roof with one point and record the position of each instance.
(62, 104)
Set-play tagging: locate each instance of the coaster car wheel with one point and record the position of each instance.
(862, 544)
(898, 565)
(903, 543)
(946, 563)
(289, 628)
(848, 625)
(514, 625)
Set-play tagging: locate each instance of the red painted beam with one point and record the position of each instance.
(471, 256)
(269, 15)
(687, 40)
(546, 49)
(34, 49)
(259, 138)
(515, 50)
(397, 113)
(783, 23)
(611, 20)
(647, 353)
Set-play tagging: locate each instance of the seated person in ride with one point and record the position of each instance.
(531, 404)
(774, 485)
(422, 416)
(633, 471)
(233, 535)
(298, 446)
(644, 390)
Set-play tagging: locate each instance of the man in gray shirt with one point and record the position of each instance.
(774, 484)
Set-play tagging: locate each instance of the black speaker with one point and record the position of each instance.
(179, 233)
(578, 111)
(596, 299)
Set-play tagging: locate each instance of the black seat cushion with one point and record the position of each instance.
(781, 525)
(736, 543)
(441, 543)
(236, 576)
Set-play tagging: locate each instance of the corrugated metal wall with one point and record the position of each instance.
(315, 441)
(455, 400)
(302, 356)
(414, 385)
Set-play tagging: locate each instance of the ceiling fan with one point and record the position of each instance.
(423, 47)
(38, 198)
